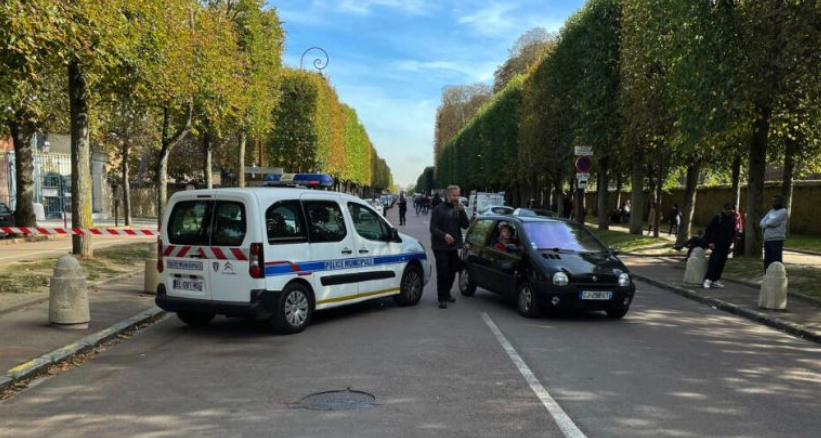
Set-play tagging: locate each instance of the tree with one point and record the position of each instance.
(527, 51)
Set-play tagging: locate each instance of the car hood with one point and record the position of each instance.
(583, 267)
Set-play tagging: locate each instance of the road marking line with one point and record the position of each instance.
(567, 426)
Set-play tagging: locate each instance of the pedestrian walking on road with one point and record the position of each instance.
(774, 225)
(446, 224)
(403, 208)
(719, 235)
(435, 201)
(675, 220)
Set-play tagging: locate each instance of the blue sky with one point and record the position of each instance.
(390, 59)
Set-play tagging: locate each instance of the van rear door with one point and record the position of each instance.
(228, 255)
(187, 232)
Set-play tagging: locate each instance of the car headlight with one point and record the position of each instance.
(560, 279)
(624, 279)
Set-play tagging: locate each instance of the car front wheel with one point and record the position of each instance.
(294, 310)
(527, 301)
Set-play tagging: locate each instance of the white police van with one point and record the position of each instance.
(280, 254)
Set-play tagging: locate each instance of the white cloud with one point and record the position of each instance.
(364, 7)
(474, 71)
(491, 20)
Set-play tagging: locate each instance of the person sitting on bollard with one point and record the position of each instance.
(693, 242)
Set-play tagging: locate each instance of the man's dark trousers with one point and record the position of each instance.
(447, 265)
(717, 261)
(773, 251)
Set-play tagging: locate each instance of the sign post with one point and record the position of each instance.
(584, 165)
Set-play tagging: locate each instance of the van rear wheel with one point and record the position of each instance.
(294, 310)
(195, 319)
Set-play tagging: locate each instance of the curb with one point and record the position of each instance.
(788, 327)
(94, 285)
(40, 364)
(803, 251)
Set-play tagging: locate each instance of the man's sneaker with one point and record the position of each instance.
(707, 284)
(718, 284)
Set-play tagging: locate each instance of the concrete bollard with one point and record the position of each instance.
(774, 288)
(696, 267)
(68, 295)
(152, 276)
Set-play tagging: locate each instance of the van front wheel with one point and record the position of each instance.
(410, 289)
(294, 310)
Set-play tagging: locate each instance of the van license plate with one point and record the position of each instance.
(192, 285)
(596, 295)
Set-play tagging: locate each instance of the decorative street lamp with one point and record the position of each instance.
(318, 62)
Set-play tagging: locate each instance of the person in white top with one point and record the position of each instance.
(774, 225)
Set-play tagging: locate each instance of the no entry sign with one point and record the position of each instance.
(584, 164)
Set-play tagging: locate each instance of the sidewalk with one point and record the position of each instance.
(25, 333)
(801, 318)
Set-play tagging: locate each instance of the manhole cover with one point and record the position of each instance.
(345, 400)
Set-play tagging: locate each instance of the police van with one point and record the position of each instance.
(280, 254)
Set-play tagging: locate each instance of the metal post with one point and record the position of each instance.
(116, 212)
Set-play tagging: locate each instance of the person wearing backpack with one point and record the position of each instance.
(719, 236)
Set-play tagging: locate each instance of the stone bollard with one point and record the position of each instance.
(696, 267)
(774, 288)
(68, 295)
(152, 276)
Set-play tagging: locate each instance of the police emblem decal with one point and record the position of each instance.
(216, 266)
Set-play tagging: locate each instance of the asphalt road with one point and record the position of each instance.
(671, 368)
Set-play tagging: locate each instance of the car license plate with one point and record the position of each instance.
(191, 285)
(596, 295)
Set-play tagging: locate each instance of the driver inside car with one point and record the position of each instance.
(505, 238)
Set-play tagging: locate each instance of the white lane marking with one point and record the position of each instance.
(567, 426)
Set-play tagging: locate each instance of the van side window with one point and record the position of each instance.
(190, 223)
(367, 222)
(229, 224)
(285, 223)
(325, 221)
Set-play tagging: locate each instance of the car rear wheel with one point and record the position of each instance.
(410, 289)
(617, 313)
(466, 286)
(195, 319)
(527, 301)
(294, 310)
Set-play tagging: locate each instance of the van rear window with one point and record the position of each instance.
(190, 223)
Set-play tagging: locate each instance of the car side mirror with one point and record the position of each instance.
(615, 251)
(393, 236)
(513, 249)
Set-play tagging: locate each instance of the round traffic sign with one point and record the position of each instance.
(584, 164)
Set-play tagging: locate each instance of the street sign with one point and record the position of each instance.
(581, 180)
(582, 151)
(584, 164)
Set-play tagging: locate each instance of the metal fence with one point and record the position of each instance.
(52, 181)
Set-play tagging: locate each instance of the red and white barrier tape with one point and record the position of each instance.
(78, 231)
(206, 252)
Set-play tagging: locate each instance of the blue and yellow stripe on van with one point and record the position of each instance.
(285, 267)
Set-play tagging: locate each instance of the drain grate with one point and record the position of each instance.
(345, 400)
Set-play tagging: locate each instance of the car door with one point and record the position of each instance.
(333, 264)
(229, 250)
(501, 264)
(474, 252)
(287, 248)
(187, 232)
(380, 270)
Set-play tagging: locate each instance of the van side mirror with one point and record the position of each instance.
(615, 251)
(393, 235)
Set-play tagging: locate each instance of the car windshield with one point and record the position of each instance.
(561, 236)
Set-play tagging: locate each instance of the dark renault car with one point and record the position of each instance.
(545, 263)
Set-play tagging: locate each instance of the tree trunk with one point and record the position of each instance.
(637, 197)
(690, 195)
(736, 180)
(792, 147)
(23, 174)
(755, 186)
(168, 142)
(206, 152)
(126, 183)
(243, 136)
(602, 204)
(80, 160)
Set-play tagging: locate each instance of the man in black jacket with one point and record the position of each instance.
(446, 224)
(719, 236)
